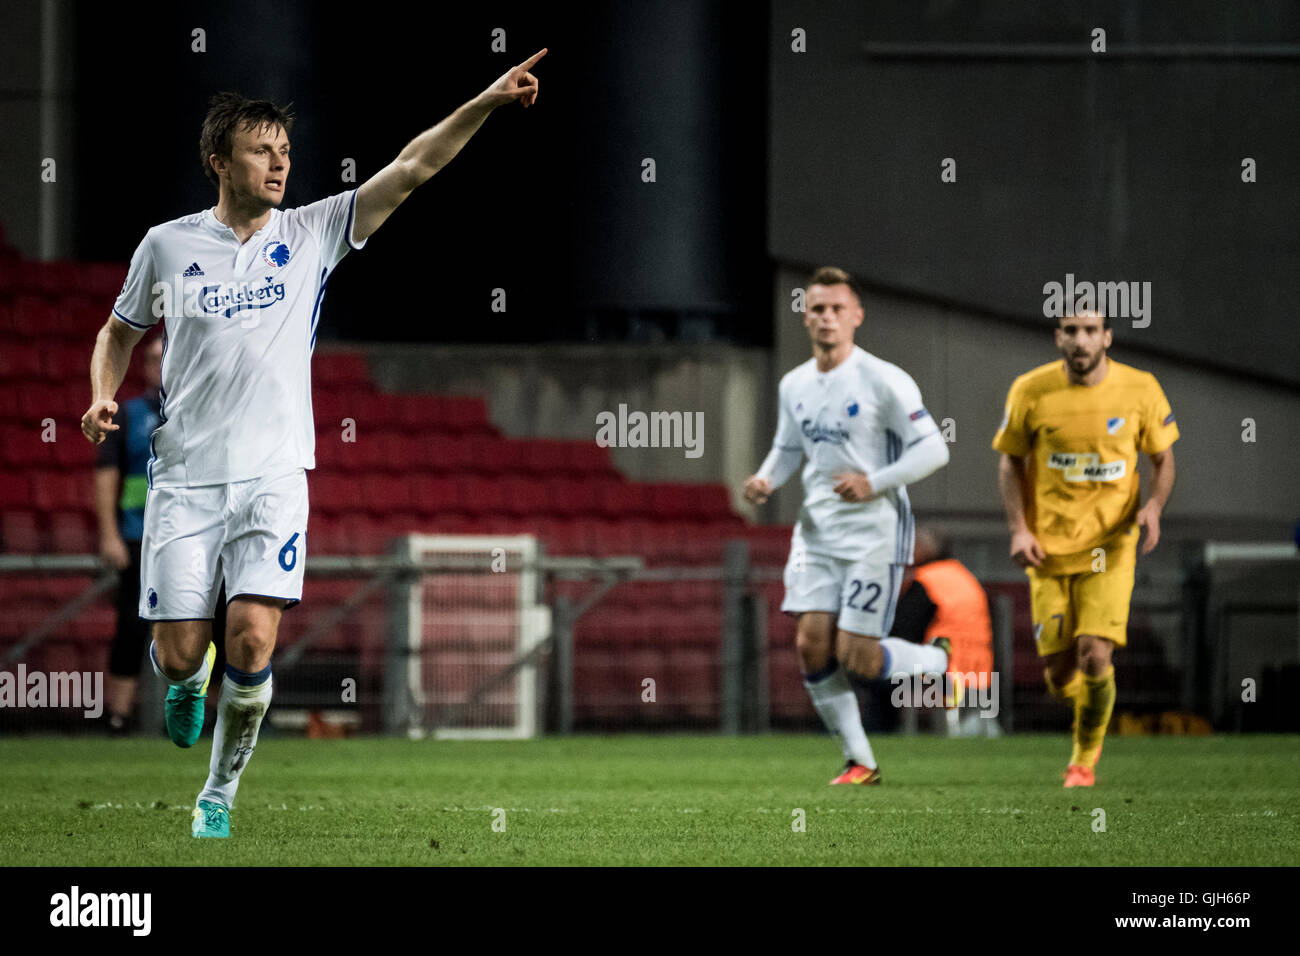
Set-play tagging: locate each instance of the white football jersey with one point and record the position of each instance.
(858, 417)
(240, 330)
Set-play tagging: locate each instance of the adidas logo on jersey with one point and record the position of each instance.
(192, 271)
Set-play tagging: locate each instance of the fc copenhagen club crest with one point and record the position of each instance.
(275, 253)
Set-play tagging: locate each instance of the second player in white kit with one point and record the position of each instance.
(865, 432)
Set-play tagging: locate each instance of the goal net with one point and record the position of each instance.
(466, 642)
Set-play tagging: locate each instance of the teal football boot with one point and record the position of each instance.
(184, 708)
(210, 820)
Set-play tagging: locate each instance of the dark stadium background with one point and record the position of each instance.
(544, 204)
(676, 295)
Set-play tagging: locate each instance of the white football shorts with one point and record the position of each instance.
(863, 593)
(251, 533)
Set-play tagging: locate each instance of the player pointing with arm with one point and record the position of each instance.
(240, 287)
(866, 434)
(1069, 481)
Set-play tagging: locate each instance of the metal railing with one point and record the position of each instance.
(1196, 648)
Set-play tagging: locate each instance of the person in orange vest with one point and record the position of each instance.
(941, 598)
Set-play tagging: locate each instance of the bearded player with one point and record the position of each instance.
(240, 287)
(1069, 481)
(861, 424)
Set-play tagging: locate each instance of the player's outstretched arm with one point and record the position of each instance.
(435, 147)
(108, 365)
(1162, 486)
(1025, 549)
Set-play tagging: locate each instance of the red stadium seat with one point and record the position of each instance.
(569, 538)
(10, 400)
(614, 538)
(402, 523)
(418, 412)
(77, 319)
(451, 524)
(364, 535)
(328, 408)
(21, 361)
(502, 456)
(405, 453)
(382, 494)
(623, 499)
(340, 369)
(539, 456)
(19, 533)
(541, 528)
(525, 496)
(329, 452)
(570, 496)
(35, 316)
(16, 490)
(589, 459)
(57, 278)
(363, 406)
(481, 496)
(372, 410)
(710, 501)
(465, 414)
(73, 453)
(326, 534)
(95, 624)
(345, 455)
(103, 280)
(370, 451)
(671, 500)
(331, 494)
(39, 402)
(56, 491)
(448, 454)
(436, 497)
(71, 532)
(768, 544)
(66, 361)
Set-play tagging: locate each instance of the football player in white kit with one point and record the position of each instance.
(239, 287)
(866, 434)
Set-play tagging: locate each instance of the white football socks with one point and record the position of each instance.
(240, 709)
(903, 658)
(193, 682)
(837, 704)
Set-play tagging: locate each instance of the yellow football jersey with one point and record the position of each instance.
(1081, 445)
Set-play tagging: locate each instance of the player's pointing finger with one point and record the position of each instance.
(528, 63)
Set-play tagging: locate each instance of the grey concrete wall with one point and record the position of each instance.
(1107, 166)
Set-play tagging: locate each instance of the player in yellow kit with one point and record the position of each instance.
(1068, 475)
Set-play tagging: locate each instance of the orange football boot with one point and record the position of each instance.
(856, 773)
(1077, 775)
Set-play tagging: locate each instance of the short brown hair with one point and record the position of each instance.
(228, 112)
(830, 275)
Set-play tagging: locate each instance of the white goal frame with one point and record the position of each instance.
(533, 628)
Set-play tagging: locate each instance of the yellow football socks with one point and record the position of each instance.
(1070, 692)
(1092, 711)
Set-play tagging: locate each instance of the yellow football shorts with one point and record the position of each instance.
(1093, 602)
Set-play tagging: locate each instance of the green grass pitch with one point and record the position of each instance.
(667, 800)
